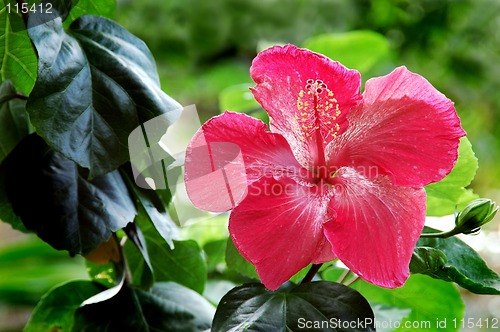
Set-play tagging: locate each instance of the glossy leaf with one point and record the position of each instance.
(184, 264)
(429, 301)
(96, 83)
(166, 307)
(13, 127)
(361, 50)
(144, 275)
(53, 197)
(56, 309)
(451, 259)
(108, 293)
(151, 205)
(17, 57)
(444, 196)
(252, 307)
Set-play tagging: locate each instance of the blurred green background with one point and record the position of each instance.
(204, 47)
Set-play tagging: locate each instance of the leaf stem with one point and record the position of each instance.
(441, 235)
(311, 273)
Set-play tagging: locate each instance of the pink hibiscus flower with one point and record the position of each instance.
(340, 174)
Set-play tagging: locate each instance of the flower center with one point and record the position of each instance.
(317, 114)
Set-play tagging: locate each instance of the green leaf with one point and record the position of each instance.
(388, 316)
(13, 127)
(104, 8)
(101, 273)
(53, 197)
(444, 196)
(216, 255)
(96, 83)
(13, 119)
(451, 259)
(6, 212)
(254, 308)
(17, 57)
(166, 307)
(361, 50)
(151, 205)
(184, 264)
(146, 273)
(56, 309)
(430, 301)
(238, 263)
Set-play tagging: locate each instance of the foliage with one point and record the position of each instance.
(74, 87)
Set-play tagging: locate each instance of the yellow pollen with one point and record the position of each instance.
(317, 112)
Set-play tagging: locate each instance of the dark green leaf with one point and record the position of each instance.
(13, 119)
(151, 205)
(166, 307)
(184, 264)
(96, 83)
(13, 127)
(56, 309)
(17, 57)
(451, 259)
(252, 307)
(144, 275)
(429, 300)
(238, 263)
(53, 197)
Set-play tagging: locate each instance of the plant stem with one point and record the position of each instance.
(311, 273)
(126, 268)
(441, 235)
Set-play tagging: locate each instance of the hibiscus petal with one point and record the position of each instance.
(288, 80)
(229, 152)
(405, 129)
(278, 228)
(376, 227)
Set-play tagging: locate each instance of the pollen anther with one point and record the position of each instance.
(317, 112)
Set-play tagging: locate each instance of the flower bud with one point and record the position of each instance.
(474, 215)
